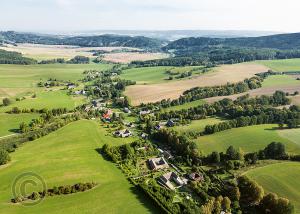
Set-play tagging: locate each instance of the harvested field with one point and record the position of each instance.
(261, 91)
(43, 52)
(129, 57)
(222, 75)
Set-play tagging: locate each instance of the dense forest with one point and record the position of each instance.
(282, 42)
(7, 57)
(83, 41)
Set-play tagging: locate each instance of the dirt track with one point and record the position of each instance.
(224, 74)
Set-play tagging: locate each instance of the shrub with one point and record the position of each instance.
(6, 102)
(4, 157)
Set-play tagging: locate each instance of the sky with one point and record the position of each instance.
(86, 15)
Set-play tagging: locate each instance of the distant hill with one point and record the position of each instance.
(171, 35)
(190, 45)
(84, 41)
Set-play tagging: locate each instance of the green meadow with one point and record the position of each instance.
(282, 65)
(18, 79)
(250, 139)
(9, 123)
(69, 156)
(47, 99)
(185, 105)
(152, 75)
(196, 125)
(280, 80)
(280, 178)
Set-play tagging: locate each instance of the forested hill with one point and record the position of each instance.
(281, 41)
(8, 57)
(84, 41)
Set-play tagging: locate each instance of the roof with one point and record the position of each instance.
(158, 163)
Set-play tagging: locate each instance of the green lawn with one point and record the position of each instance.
(152, 75)
(282, 179)
(282, 65)
(250, 139)
(47, 99)
(68, 156)
(9, 123)
(185, 106)
(280, 80)
(197, 125)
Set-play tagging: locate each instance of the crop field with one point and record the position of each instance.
(45, 52)
(172, 90)
(47, 99)
(197, 125)
(282, 65)
(68, 156)
(16, 79)
(280, 178)
(127, 57)
(9, 123)
(153, 75)
(185, 105)
(250, 139)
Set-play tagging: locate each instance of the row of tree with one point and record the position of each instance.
(206, 92)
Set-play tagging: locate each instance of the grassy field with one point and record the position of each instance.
(282, 65)
(9, 123)
(280, 80)
(68, 156)
(17, 79)
(47, 99)
(250, 139)
(152, 75)
(280, 178)
(197, 125)
(185, 106)
(291, 134)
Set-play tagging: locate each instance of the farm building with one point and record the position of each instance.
(158, 163)
(167, 179)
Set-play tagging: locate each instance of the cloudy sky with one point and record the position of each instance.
(81, 15)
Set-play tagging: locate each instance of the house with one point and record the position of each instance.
(158, 163)
(71, 86)
(196, 177)
(144, 112)
(158, 127)
(170, 123)
(144, 135)
(130, 125)
(123, 133)
(127, 110)
(170, 177)
(83, 92)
